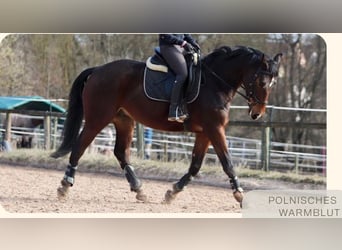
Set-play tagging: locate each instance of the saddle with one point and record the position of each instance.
(159, 78)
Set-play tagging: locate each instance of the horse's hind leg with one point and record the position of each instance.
(200, 148)
(83, 141)
(124, 126)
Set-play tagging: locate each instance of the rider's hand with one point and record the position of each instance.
(196, 46)
(188, 47)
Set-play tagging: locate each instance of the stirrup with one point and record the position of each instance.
(173, 113)
(173, 118)
(179, 119)
(183, 115)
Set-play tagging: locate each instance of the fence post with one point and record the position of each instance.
(140, 140)
(266, 142)
(54, 132)
(8, 127)
(166, 154)
(297, 163)
(47, 131)
(7, 135)
(265, 148)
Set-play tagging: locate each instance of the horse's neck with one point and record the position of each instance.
(226, 82)
(219, 91)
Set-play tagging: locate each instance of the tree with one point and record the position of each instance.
(12, 65)
(302, 84)
(47, 64)
(38, 65)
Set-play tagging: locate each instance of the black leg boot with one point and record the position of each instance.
(182, 114)
(174, 110)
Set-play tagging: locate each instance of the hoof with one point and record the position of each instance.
(62, 191)
(170, 195)
(238, 196)
(141, 196)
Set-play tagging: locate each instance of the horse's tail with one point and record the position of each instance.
(74, 116)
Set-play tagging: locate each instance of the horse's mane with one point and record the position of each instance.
(229, 53)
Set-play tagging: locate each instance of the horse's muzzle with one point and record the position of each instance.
(256, 111)
(255, 116)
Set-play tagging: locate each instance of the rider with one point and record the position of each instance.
(172, 47)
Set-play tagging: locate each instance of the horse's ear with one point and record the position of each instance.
(277, 58)
(263, 58)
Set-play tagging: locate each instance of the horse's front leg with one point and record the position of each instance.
(200, 149)
(218, 140)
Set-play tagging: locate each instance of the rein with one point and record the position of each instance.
(223, 81)
(249, 90)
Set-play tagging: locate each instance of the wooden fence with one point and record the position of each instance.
(165, 146)
(50, 122)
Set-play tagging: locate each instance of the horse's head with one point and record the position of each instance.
(258, 82)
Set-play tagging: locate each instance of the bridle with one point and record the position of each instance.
(249, 87)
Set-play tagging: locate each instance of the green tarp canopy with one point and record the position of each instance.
(35, 103)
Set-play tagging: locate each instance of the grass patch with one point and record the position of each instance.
(292, 177)
(147, 168)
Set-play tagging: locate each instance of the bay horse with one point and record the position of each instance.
(113, 93)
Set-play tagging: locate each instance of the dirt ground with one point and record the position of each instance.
(33, 190)
(26, 189)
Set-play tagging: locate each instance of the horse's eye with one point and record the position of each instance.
(262, 84)
(264, 81)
